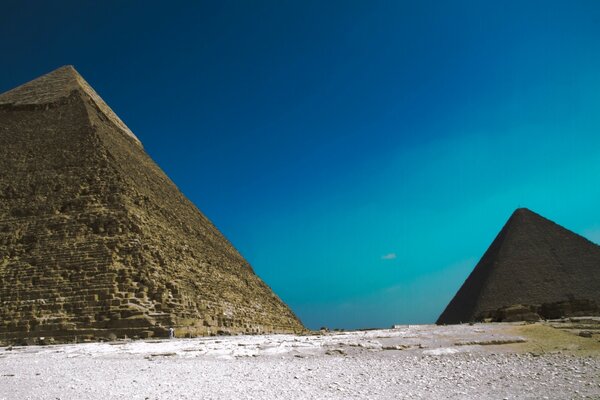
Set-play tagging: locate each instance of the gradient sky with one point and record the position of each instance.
(361, 155)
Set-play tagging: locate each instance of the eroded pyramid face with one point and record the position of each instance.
(534, 268)
(96, 241)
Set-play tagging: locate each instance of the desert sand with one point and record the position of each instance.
(481, 361)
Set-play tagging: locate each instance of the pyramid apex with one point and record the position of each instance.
(67, 68)
(56, 85)
(45, 89)
(523, 210)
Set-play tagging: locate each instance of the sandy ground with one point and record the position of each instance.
(488, 361)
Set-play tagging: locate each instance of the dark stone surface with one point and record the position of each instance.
(535, 263)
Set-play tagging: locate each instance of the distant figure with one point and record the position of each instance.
(171, 333)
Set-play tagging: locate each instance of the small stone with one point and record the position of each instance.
(334, 352)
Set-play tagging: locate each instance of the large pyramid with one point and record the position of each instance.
(96, 241)
(534, 268)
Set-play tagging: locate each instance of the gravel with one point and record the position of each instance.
(411, 363)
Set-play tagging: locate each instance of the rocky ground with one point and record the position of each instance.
(483, 361)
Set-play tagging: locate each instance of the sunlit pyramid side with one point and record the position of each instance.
(97, 242)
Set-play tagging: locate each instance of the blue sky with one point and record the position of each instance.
(361, 155)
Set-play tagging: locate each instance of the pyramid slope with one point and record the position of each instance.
(96, 241)
(532, 261)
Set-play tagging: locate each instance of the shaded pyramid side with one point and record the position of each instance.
(209, 286)
(531, 262)
(95, 240)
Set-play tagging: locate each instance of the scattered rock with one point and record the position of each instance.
(396, 347)
(490, 342)
(163, 354)
(335, 352)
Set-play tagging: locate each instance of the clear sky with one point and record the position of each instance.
(360, 155)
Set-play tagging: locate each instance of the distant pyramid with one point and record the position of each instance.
(96, 241)
(533, 267)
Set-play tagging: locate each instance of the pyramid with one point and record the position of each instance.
(97, 242)
(534, 268)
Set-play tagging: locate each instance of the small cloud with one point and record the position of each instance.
(390, 256)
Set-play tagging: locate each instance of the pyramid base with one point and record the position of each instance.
(571, 307)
